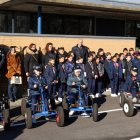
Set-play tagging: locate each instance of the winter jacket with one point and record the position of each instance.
(31, 58)
(69, 66)
(13, 65)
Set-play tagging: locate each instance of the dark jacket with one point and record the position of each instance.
(30, 59)
(131, 84)
(62, 76)
(121, 68)
(115, 70)
(100, 68)
(39, 81)
(2, 59)
(46, 57)
(91, 70)
(50, 74)
(108, 68)
(127, 67)
(80, 52)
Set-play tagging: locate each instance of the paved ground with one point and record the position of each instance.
(112, 125)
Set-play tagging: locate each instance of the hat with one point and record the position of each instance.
(134, 69)
(77, 68)
(37, 67)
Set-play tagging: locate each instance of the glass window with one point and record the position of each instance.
(5, 22)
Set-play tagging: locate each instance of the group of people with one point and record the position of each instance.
(62, 71)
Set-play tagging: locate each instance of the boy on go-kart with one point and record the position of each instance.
(131, 85)
(35, 82)
(77, 82)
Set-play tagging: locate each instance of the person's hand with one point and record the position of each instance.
(73, 83)
(83, 86)
(46, 87)
(35, 86)
(27, 74)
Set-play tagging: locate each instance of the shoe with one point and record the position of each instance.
(92, 96)
(59, 99)
(119, 93)
(97, 95)
(114, 95)
(85, 115)
(71, 113)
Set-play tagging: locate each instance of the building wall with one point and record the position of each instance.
(111, 44)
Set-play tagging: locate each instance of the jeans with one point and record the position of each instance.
(114, 85)
(12, 90)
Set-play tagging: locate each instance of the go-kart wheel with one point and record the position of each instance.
(95, 112)
(23, 106)
(60, 118)
(121, 99)
(66, 109)
(6, 119)
(128, 108)
(28, 118)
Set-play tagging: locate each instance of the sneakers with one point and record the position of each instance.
(92, 96)
(114, 95)
(71, 113)
(119, 93)
(59, 99)
(97, 95)
(85, 115)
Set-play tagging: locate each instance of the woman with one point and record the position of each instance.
(31, 58)
(49, 52)
(14, 69)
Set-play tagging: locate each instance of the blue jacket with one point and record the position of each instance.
(131, 85)
(35, 80)
(61, 73)
(109, 68)
(69, 66)
(50, 74)
(121, 67)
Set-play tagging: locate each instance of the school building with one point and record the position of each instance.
(108, 24)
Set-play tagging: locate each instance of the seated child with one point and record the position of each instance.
(74, 81)
(131, 85)
(35, 82)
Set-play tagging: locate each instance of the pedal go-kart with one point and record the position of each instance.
(4, 113)
(81, 106)
(129, 104)
(41, 110)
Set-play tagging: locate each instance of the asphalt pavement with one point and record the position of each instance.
(112, 125)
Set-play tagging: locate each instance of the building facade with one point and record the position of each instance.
(113, 18)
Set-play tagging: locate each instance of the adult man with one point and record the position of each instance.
(80, 51)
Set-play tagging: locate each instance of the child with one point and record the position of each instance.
(115, 77)
(99, 81)
(121, 72)
(127, 66)
(62, 77)
(74, 82)
(92, 74)
(79, 62)
(35, 82)
(61, 51)
(69, 65)
(50, 74)
(131, 85)
(108, 71)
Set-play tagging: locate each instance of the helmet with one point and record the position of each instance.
(37, 67)
(134, 69)
(77, 68)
